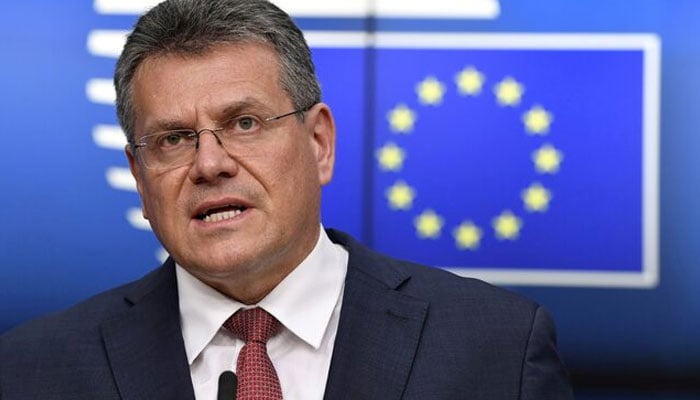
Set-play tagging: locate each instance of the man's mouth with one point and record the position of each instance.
(221, 213)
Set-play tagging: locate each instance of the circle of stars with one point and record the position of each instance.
(469, 82)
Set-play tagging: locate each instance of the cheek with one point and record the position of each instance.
(302, 182)
(298, 168)
(160, 197)
(286, 177)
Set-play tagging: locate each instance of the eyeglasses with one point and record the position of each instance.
(175, 148)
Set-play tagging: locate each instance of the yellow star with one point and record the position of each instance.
(536, 198)
(401, 119)
(467, 236)
(428, 225)
(507, 226)
(469, 81)
(400, 196)
(537, 120)
(547, 159)
(508, 92)
(430, 91)
(390, 157)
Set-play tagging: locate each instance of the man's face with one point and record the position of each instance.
(238, 218)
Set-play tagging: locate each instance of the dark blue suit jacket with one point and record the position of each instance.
(406, 332)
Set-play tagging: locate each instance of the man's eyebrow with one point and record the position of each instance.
(242, 106)
(165, 125)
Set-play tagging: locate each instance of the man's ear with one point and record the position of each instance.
(135, 168)
(322, 127)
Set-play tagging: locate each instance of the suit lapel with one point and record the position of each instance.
(378, 333)
(145, 346)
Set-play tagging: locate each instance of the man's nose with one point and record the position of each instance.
(211, 160)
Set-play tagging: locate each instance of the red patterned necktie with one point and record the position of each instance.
(257, 378)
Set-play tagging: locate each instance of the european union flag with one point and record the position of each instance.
(519, 158)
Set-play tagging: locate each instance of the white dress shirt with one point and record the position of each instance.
(307, 303)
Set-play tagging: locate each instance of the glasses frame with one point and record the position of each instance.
(197, 133)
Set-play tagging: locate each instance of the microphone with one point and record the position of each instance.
(227, 386)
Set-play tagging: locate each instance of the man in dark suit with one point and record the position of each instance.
(230, 144)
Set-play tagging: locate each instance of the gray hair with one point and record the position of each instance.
(195, 26)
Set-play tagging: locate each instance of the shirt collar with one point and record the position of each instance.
(303, 302)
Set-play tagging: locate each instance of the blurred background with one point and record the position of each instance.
(546, 146)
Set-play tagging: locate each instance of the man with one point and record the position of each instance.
(230, 144)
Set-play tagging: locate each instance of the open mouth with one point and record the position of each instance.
(221, 213)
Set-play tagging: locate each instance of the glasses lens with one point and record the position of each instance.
(168, 149)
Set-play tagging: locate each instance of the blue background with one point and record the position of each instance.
(64, 237)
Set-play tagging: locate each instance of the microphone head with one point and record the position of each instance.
(227, 385)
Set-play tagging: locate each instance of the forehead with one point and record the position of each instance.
(191, 88)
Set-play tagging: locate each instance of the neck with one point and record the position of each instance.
(251, 283)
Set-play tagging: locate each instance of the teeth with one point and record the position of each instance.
(220, 216)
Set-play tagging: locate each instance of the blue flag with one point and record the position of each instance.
(527, 158)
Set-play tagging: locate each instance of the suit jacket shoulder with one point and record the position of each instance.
(111, 346)
(409, 331)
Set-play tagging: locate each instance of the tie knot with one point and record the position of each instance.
(253, 325)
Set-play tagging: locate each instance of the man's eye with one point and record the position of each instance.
(173, 139)
(246, 123)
